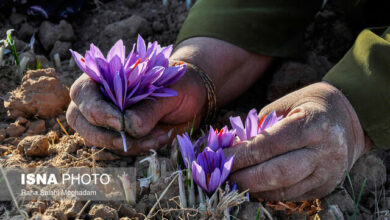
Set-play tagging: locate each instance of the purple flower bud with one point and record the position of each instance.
(220, 139)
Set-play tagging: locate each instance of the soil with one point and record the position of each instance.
(35, 132)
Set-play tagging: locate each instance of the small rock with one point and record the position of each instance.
(49, 33)
(157, 26)
(370, 167)
(41, 94)
(21, 120)
(333, 212)
(71, 207)
(289, 77)
(103, 211)
(62, 48)
(15, 130)
(341, 198)
(19, 44)
(36, 127)
(3, 133)
(17, 19)
(249, 210)
(127, 210)
(26, 31)
(54, 212)
(36, 206)
(127, 28)
(37, 145)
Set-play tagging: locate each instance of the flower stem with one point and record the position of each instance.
(124, 141)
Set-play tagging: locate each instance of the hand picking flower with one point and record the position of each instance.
(143, 74)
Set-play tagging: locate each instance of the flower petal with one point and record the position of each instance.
(118, 87)
(186, 149)
(251, 123)
(214, 181)
(236, 123)
(80, 61)
(212, 140)
(117, 50)
(227, 167)
(164, 92)
(199, 175)
(141, 48)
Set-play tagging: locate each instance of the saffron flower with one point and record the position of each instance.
(210, 169)
(220, 139)
(253, 126)
(188, 149)
(143, 74)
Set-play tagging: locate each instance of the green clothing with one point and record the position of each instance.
(276, 27)
(363, 75)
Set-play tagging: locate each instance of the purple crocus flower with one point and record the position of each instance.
(210, 169)
(220, 139)
(188, 149)
(253, 126)
(143, 74)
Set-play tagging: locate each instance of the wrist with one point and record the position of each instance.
(192, 95)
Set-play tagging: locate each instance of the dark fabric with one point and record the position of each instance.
(363, 75)
(267, 27)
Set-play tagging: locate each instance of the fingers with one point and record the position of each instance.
(85, 93)
(296, 192)
(143, 117)
(277, 173)
(111, 140)
(289, 134)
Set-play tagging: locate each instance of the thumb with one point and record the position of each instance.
(141, 118)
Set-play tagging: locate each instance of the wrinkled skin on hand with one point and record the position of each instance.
(98, 120)
(306, 154)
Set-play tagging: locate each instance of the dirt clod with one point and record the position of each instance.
(62, 48)
(36, 127)
(41, 94)
(127, 28)
(49, 33)
(103, 211)
(37, 145)
(15, 130)
(3, 133)
(71, 207)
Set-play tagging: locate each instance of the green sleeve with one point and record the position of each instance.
(267, 27)
(363, 75)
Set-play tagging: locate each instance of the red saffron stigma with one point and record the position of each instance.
(82, 60)
(261, 122)
(136, 63)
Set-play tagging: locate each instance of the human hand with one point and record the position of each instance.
(306, 154)
(99, 121)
